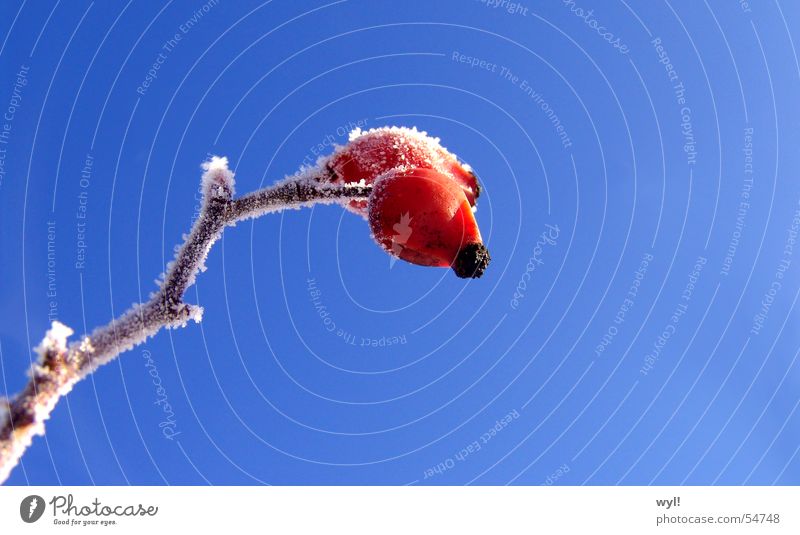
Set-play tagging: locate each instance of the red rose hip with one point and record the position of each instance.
(424, 217)
(370, 154)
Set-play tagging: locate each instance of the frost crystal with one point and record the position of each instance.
(354, 134)
(55, 339)
(409, 144)
(217, 178)
(61, 366)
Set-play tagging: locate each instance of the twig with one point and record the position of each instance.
(60, 365)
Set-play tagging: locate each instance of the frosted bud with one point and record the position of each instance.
(218, 178)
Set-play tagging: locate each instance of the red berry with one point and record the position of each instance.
(370, 154)
(424, 217)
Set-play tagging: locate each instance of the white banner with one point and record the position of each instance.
(388, 510)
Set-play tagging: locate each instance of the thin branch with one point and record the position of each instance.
(60, 365)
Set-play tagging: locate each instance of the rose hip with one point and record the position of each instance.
(424, 217)
(370, 154)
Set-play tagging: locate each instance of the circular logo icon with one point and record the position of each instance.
(31, 508)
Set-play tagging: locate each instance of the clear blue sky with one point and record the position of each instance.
(649, 336)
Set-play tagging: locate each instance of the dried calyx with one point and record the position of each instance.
(471, 261)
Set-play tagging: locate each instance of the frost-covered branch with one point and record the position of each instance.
(61, 365)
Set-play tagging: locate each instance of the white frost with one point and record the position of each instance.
(217, 176)
(354, 134)
(54, 339)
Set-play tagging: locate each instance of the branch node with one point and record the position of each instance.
(217, 179)
(184, 313)
(61, 365)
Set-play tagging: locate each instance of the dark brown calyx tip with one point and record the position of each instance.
(471, 261)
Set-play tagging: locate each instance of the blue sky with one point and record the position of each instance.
(637, 324)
